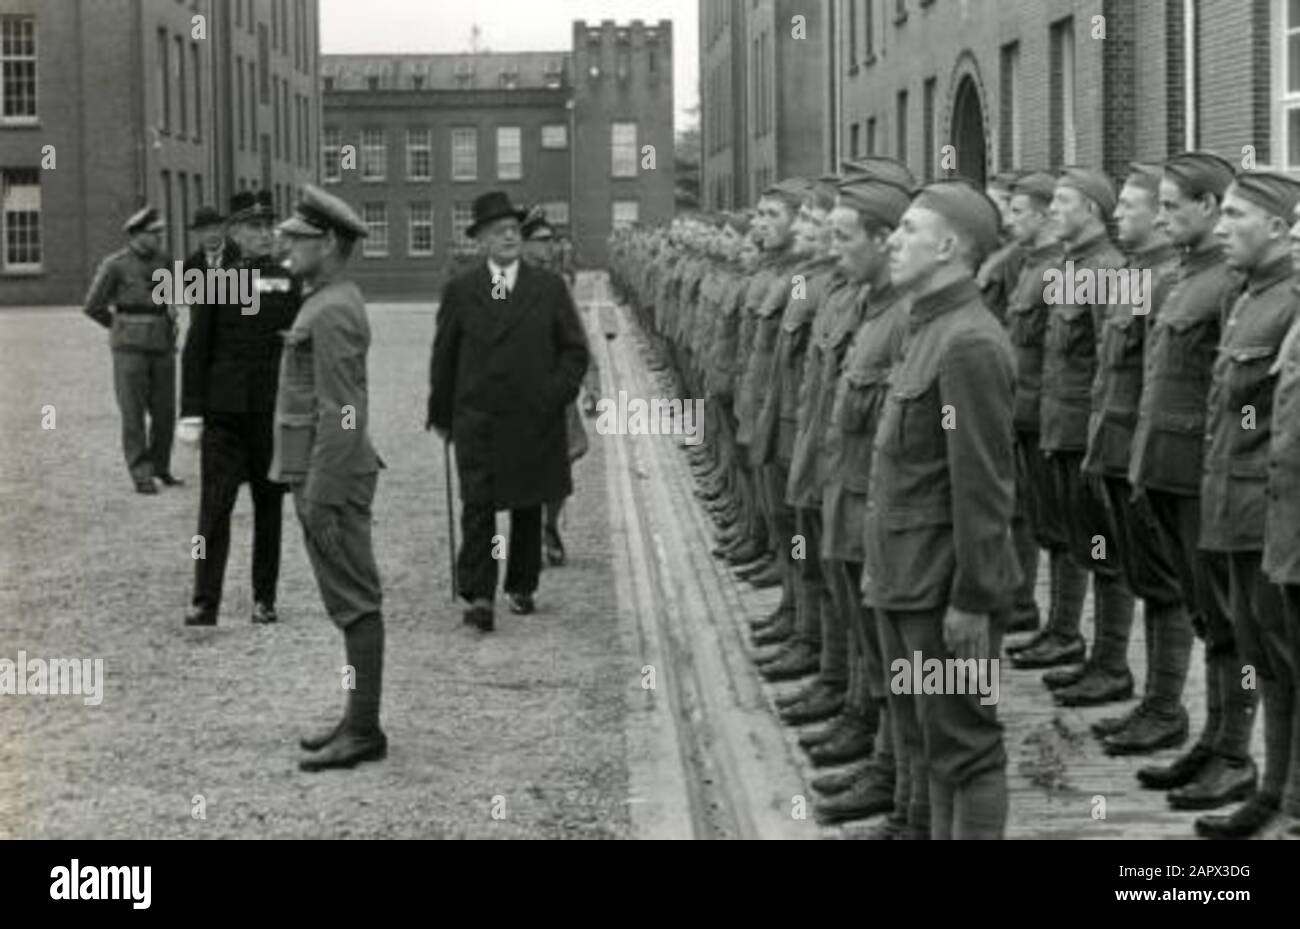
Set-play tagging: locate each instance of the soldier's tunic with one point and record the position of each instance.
(938, 527)
(142, 337)
(999, 277)
(326, 457)
(1234, 493)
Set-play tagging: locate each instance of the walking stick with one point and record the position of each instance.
(451, 518)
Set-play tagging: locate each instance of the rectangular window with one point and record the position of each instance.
(252, 103)
(168, 216)
(183, 184)
(623, 149)
(626, 213)
(555, 136)
(275, 111)
(331, 168)
(21, 228)
(374, 155)
(510, 156)
(928, 127)
(557, 212)
(1009, 134)
(375, 216)
(264, 62)
(181, 96)
(462, 214)
(871, 136)
(239, 95)
(419, 155)
(464, 154)
(1289, 96)
(900, 127)
(284, 116)
(420, 237)
(1061, 112)
(196, 75)
(164, 82)
(855, 140)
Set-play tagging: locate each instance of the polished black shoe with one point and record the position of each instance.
(769, 577)
(775, 635)
(762, 566)
(264, 613)
(761, 623)
(521, 604)
(1030, 642)
(1095, 689)
(1245, 821)
(201, 616)
(318, 740)
(1064, 677)
(802, 695)
(840, 781)
(799, 662)
(347, 750)
(169, 480)
(852, 742)
(747, 552)
(146, 487)
(1109, 725)
(817, 736)
(1221, 781)
(822, 704)
(1148, 733)
(481, 617)
(1182, 771)
(1051, 652)
(869, 796)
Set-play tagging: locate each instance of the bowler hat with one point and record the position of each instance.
(490, 207)
(207, 216)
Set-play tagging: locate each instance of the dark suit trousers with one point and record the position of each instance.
(237, 447)
(476, 569)
(145, 383)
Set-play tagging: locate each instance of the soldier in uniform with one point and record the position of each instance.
(1165, 474)
(940, 562)
(1116, 392)
(142, 336)
(1282, 536)
(1253, 227)
(229, 368)
(323, 451)
(1082, 200)
(999, 275)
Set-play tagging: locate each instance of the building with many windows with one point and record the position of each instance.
(411, 140)
(106, 105)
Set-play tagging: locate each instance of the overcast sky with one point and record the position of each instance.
(507, 26)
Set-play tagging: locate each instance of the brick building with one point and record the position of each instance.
(765, 95)
(109, 104)
(1031, 83)
(565, 130)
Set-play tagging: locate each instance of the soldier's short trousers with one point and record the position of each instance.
(1033, 493)
(1202, 575)
(1089, 531)
(1148, 566)
(347, 575)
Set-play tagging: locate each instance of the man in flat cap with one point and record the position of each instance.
(1080, 204)
(229, 370)
(1026, 321)
(1282, 537)
(940, 562)
(1165, 472)
(323, 451)
(1253, 227)
(509, 355)
(142, 336)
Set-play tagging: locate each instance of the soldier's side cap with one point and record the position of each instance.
(881, 202)
(1145, 175)
(1092, 184)
(1269, 190)
(1037, 184)
(792, 190)
(881, 168)
(318, 212)
(967, 208)
(146, 220)
(1200, 173)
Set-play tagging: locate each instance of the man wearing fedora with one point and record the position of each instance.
(229, 369)
(142, 336)
(509, 355)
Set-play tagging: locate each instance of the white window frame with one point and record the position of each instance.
(1288, 100)
(462, 215)
(466, 139)
(621, 149)
(420, 215)
(375, 244)
(619, 222)
(331, 171)
(557, 212)
(510, 137)
(31, 193)
(553, 145)
(34, 58)
(372, 152)
(415, 147)
(1069, 128)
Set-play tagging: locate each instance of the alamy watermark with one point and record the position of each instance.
(920, 675)
(242, 287)
(42, 677)
(651, 417)
(1096, 286)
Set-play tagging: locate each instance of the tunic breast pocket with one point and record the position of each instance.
(1027, 326)
(1186, 344)
(1246, 376)
(920, 421)
(1122, 341)
(1070, 332)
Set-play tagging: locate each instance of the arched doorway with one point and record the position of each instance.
(968, 131)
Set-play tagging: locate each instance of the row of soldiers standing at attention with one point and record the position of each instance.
(913, 395)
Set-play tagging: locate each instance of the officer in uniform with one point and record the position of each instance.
(229, 368)
(1253, 227)
(1082, 200)
(940, 562)
(323, 451)
(1116, 392)
(142, 336)
(1165, 474)
(1026, 321)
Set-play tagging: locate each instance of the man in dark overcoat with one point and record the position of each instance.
(509, 356)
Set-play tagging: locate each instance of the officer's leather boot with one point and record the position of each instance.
(1148, 732)
(825, 701)
(799, 661)
(870, 795)
(852, 742)
(839, 781)
(360, 738)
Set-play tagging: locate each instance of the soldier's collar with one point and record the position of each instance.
(1051, 247)
(1268, 274)
(1209, 254)
(944, 300)
(1150, 257)
(1093, 243)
